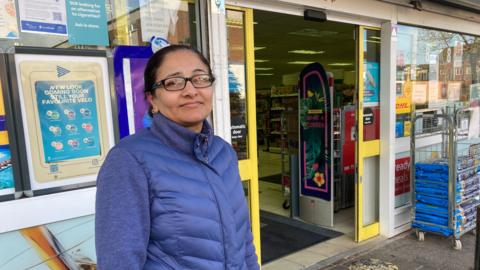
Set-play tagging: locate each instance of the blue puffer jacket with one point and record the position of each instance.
(169, 198)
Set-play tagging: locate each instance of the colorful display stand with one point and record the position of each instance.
(316, 145)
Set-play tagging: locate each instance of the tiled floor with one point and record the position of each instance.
(271, 199)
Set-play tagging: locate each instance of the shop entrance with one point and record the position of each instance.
(311, 148)
(328, 177)
(284, 45)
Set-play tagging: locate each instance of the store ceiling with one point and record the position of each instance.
(281, 33)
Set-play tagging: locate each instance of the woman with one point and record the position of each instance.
(170, 196)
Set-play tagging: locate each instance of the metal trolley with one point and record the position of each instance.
(445, 180)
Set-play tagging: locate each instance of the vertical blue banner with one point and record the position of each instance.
(87, 22)
(68, 118)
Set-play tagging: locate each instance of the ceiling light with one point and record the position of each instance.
(263, 74)
(340, 64)
(261, 61)
(299, 62)
(312, 32)
(306, 52)
(259, 48)
(373, 41)
(263, 68)
(375, 37)
(255, 22)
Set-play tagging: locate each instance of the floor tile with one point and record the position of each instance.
(282, 264)
(305, 258)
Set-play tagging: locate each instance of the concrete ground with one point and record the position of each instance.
(405, 252)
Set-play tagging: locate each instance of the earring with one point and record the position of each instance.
(154, 110)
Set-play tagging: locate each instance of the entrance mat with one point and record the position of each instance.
(276, 178)
(281, 236)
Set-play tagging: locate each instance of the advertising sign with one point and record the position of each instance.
(8, 19)
(129, 64)
(371, 123)
(402, 176)
(315, 132)
(402, 179)
(43, 16)
(372, 83)
(66, 116)
(87, 22)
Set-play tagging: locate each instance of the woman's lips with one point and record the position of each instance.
(191, 104)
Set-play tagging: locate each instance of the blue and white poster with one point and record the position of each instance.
(68, 119)
(43, 16)
(87, 22)
(371, 92)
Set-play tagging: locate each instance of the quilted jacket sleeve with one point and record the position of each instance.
(122, 222)
(250, 255)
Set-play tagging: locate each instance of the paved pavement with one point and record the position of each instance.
(405, 252)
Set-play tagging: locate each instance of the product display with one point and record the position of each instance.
(447, 180)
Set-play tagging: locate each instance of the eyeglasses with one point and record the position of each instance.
(179, 83)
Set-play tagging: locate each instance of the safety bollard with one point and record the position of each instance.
(477, 241)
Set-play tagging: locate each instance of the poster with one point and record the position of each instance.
(68, 244)
(315, 132)
(87, 22)
(66, 116)
(159, 18)
(371, 91)
(129, 66)
(43, 16)
(402, 179)
(8, 19)
(68, 119)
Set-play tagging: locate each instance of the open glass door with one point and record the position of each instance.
(368, 143)
(241, 81)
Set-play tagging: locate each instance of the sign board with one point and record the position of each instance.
(65, 113)
(315, 132)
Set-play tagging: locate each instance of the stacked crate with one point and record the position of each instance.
(431, 196)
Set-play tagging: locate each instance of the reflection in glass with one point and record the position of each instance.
(435, 69)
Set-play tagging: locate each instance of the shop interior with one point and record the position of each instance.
(284, 45)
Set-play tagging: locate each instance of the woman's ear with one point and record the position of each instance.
(153, 107)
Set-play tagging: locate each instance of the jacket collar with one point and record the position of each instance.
(183, 139)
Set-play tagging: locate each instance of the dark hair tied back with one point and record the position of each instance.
(156, 61)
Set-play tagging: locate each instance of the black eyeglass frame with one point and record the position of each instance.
(161, 83)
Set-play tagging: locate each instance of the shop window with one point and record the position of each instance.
(87, 24)
(435, 70)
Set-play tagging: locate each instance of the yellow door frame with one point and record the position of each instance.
(364, 149)
(249, 167)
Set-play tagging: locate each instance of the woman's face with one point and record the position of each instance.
(188, 107)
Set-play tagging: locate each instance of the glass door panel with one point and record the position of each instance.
(241, 78)
(368, 144)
